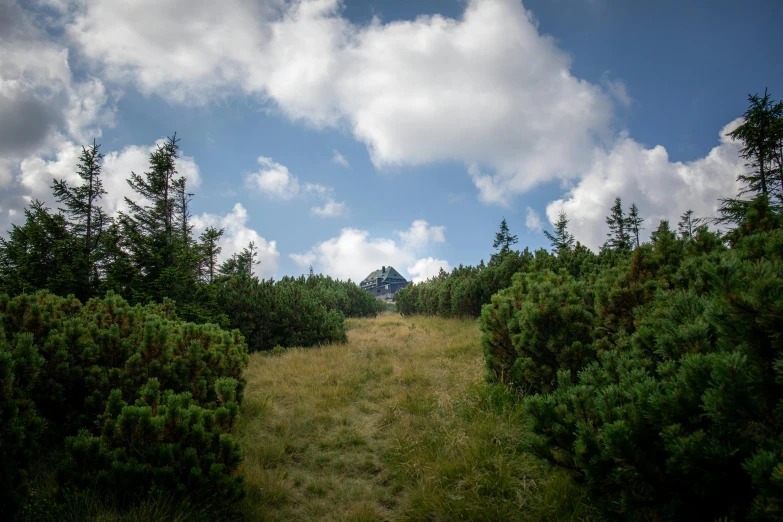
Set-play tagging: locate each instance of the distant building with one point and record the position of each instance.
(384, 283)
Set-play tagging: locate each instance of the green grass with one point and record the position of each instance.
(397, 424)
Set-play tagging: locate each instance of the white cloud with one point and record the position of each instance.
(44, 110)
(354, 254)
(329, 209)
(339, 158)
(533, 220)
(662, 189)
(237, 236)
(617, 89)
(432, 89)
(273, 179)
(426, 268)
(421, 234)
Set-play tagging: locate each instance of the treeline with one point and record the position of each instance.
(148, 254)
(654, 371)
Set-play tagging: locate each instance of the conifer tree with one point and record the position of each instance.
(40, 254)
(152, 225)
(250, 254)
(504, 239)
(86, 219)
(210, 252)
(619, 238)
(562, 241)
(760, 139)
(687, 225)
(634, 224)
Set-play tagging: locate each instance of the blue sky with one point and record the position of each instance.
(352, 134)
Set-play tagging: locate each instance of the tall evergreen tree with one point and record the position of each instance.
(761, 140)
(120, 274)
(504, 239)
(249, 256)
(210, 252)
(86, 219)
(634, 224)
(151, 225)
(562, 241)
(41, 254)
(619, 238)
(687, 225)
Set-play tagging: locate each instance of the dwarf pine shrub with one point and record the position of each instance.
(138, 399)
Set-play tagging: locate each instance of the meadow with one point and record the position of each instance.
(396, 424)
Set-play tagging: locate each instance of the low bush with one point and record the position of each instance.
(138, 399)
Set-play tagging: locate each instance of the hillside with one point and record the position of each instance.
(397, 424)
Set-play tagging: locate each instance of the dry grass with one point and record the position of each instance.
(394, 425)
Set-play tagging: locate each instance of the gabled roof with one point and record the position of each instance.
(384, 273)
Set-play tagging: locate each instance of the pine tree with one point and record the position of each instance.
(504, 239)
(210, 251)
(562, 241)
(687, 225)
(761, 140)
(152, 226)
(634, 224)
(250, 255)
(86, 219)
(619, 238)
(41, 254)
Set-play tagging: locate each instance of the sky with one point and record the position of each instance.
(353, 134)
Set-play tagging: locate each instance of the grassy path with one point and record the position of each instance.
(394, 425)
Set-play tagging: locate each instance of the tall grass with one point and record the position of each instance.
(397, 424)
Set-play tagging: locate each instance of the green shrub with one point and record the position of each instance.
(140, 399)
(684, 419)
(542, 324)
(20, 424)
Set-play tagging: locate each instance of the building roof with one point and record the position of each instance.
(384, 273)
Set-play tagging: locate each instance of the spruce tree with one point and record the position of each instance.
(152, 225)
(619, 238)
(41, 254)
(210, 252)
(504, 239)
(760, 139)
(562, 241)
(687, 225)
(86, 220)
(634, 224)
(249, 256)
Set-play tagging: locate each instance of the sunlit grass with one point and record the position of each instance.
(397, 424)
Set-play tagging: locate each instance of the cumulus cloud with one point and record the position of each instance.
(533, 220)
(354, 254)
(339, 158)
(662, 189)
(274, 180)
(426, 268)
(329, 209)
(468, 89)
(40, 100)
(421, 234)
(44, 109)
(237, 236)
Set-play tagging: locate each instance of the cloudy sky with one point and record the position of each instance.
(352, 134)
